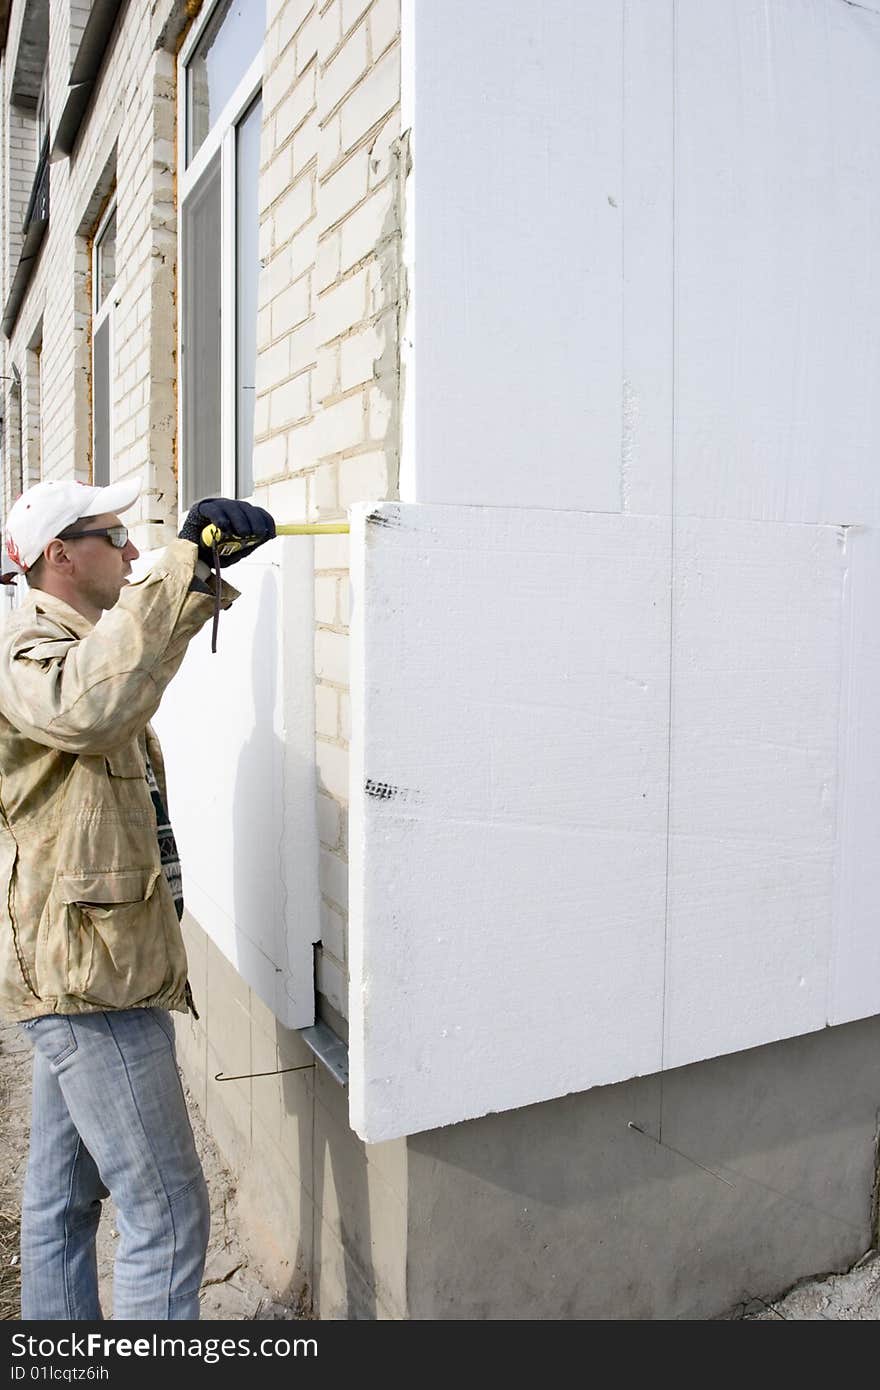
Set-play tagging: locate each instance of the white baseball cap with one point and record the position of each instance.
(48, 508)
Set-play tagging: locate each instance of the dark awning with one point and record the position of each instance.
(84, 74)
(36, 220)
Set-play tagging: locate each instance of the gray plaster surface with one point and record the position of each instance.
(745, 1174)
(756, 1204)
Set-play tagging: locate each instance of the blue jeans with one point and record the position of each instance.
(109, 1117)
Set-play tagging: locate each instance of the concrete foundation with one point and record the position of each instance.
(766, 1174)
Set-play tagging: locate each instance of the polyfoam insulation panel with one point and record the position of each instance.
(596, 771)
(640, 240)
(237, 729)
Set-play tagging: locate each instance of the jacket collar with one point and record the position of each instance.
(62, 612)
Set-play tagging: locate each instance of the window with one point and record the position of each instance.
(227, 45)
(247, 262)
(7, 591)
(32, 440)
(220, 72)
(43, 113)
(103, 280)
(16, 435)
(200, 265)
(26, 213)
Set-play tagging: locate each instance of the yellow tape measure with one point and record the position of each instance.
(229, 545)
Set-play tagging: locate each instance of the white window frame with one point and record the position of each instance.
(220, 137)
(103, 313)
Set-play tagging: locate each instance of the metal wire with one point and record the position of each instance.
(246, 1076)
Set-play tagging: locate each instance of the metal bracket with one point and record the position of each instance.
(329, 1049)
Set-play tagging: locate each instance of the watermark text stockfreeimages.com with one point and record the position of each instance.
(92, 1345)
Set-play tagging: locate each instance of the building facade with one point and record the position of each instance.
(318, 254)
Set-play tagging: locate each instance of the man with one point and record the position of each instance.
(92, 960)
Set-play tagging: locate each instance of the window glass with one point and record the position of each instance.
(201, 273)
(231, 40)
(105, 261)
(43, 112)
(101, 404)
(247, 269)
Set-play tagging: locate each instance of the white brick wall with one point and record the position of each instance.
(134, 109)
(328, 182)
(31, 416)
(79, 13)
(327, 336)
(327, 371)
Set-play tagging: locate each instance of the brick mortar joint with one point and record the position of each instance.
(289, 138)
(356, 329)
(273, 479)
(378, 249)
(348, 455)
(362, 140)
(368, 320)
(276, 24)
(359, 328)
(359, 80)
(363, 19)
(266, 391)
(342, 397)
(342, 856)
(332, 741)
(305, 172)
(298, 77)
(283, 245)
(360, 23)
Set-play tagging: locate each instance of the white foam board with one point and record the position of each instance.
(508, 818)
(855, 965)
(595, 790)
(640, 241)
(514, 243)
(756, 679)
(777, 287)
(237, 729)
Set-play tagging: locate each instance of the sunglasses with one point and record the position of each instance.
(116, 535)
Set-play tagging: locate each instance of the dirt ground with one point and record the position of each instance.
(851, 1297)
(232, 1288)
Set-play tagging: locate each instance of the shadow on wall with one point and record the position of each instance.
(342, 1272)
(258, 838)
(765, 1175)
(334, 1241)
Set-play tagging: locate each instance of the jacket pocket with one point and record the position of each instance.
(126, 762)
(107, 944)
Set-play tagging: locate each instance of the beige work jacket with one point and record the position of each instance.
(87, 920)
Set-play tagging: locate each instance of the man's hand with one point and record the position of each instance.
(242, 528)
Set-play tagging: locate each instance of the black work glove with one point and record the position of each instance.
(242, 528)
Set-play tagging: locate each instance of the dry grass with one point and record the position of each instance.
(9, 1272)
(13, 1095)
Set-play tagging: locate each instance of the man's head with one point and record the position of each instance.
(45, 536)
